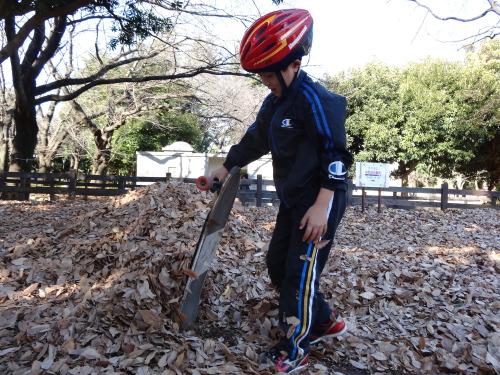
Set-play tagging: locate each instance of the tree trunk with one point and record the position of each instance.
(494, 179)
(102, 156)
(45, 165)
(494, 167)
(47, 149)
(41, 49)
(101, 162)
(460, 181)
(75, 162)
(4, 145)
(404, 171)
(24, 142)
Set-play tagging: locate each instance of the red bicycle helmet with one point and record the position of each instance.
(275, 40)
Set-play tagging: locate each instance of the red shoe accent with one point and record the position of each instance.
(328, 329)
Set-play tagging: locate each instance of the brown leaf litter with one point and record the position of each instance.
(94, 287)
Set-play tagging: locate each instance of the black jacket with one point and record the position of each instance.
(304, 130)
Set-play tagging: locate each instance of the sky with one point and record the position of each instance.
(351, 33)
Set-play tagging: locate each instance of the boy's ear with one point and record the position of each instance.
(296, 64)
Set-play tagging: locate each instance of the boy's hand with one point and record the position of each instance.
(315, 222)
(316, 218)
(219, 174)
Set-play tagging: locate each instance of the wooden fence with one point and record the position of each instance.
(418, 198)
(256, 192)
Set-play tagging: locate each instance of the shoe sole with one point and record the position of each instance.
(295, 369)
(329, 336)
(266, 359)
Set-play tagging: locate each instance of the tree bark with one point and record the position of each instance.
(404, 171)
(24, 74)
(102, 156)
(24, 142)
(51, 136)
(6, 134)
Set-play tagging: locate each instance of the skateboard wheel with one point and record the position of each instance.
(204, 183)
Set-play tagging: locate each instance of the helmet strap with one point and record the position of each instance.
(284, 87)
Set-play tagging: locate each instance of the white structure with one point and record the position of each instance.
(181, 161)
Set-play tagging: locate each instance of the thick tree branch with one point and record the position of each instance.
(51, 46)
(95, 83)
(39, 54)
(34, 47)
(81, 81)
(10, 25)
(19, 38)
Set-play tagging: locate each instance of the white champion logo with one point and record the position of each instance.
(286, 123)
(337, 170)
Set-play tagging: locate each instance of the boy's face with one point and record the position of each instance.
(270, 79)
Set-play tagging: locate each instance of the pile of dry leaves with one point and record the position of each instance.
(94, 287)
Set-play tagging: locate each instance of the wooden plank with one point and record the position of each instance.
(401, 189)
(33, 190)
(111, 185)
(100, 192)
(34, 175)
(483, 193)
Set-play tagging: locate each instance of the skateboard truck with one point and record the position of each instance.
(206, 183)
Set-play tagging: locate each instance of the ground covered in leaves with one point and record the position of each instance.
(94, 286)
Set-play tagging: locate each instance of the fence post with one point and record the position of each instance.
(258, 200)
(350, 192)
(72, 184)
(379, 199)
(52, 189)
(444, 196)
(363, 199)
(25, 182)
(86, 186)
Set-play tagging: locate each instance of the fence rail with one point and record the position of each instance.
(412, 198)
(252, 191)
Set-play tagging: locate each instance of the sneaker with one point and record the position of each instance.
(331, 328)
(283, 364)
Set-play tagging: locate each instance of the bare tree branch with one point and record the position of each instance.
(489, 32)
(493, 8)
(188, 74)
(80, 81)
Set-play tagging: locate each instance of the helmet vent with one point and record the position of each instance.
(268, 47)
(261, 31)
(245, 52)
(278, 19)
(260, 41)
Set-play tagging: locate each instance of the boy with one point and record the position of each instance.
(302, 125)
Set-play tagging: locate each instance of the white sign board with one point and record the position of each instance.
(372, 174)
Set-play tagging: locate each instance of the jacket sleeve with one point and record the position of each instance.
(326, 119)
(253, 145)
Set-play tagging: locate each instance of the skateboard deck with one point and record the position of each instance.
(209, 240)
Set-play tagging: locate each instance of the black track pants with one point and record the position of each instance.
(295, 267)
